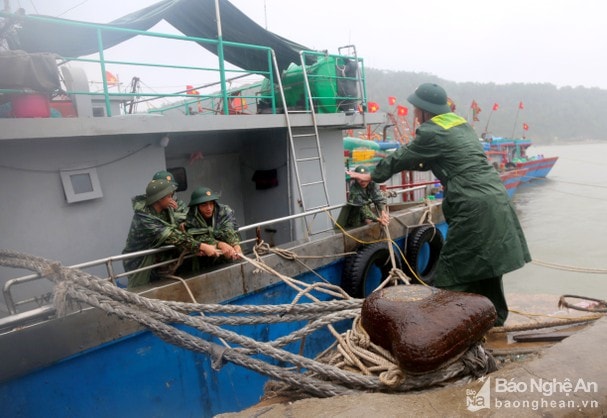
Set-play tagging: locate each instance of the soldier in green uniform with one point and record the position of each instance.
(154, 225)
(485, 239)
(362, 194)
(213, 223)
(180, 209)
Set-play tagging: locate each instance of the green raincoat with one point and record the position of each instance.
(181, 212)
(485, 239)
(152, 230)
(223, 226)
(361, 199)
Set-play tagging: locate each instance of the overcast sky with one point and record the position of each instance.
(562, 42)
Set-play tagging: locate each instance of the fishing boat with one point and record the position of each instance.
(360, 151)
(513, 153)
(74, 341)
(512, 179)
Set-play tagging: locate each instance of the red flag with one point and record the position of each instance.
(372, 107)
(525, 127)
(402, 110)
(451, 104)
(520, 105)
(496, 106)
(391, 100)
(112, 80)
(189, 89)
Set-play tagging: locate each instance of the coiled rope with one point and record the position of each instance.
(595, 305)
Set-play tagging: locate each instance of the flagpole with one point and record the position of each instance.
(515, 121)
(518, 109)
(493, 109)
(488, 120)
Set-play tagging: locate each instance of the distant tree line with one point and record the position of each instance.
(552, 114)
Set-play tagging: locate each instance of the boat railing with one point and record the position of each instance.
(102, 61)
(17, 318)
(112, 274)
(238, 91)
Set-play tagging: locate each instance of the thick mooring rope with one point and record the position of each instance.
(570, 268)
(468, 366)
(355, 367)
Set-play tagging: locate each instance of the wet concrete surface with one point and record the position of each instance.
(565, 379)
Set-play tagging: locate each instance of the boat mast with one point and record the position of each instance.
(518, 109)
(222, 74)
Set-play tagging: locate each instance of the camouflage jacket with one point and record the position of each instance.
(223, 226)
(363, 198)
(152, 230)
(181, 212)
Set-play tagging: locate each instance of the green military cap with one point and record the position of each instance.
(431, 98)
(164, 175)
(157, 189)
(202, 195)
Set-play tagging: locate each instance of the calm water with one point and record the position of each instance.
(565, 221)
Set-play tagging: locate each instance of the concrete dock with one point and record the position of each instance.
(568, 379)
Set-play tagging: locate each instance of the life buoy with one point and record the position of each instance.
(423, 249)
(366, 269)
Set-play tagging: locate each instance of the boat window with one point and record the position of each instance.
(82, 184)
(179, 175)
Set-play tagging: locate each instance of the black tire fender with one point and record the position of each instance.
(424, 242)
(359, 277)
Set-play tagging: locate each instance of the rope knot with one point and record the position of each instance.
(359, 336)
(392, 377)
(261, 248)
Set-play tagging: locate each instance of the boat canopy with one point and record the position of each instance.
(194, 18)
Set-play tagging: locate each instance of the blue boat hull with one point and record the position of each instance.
(141, 375)
(512, 180)
(537, 168)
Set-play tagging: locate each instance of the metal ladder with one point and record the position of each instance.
(298, 141)
(309, 156)
(314, 159)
